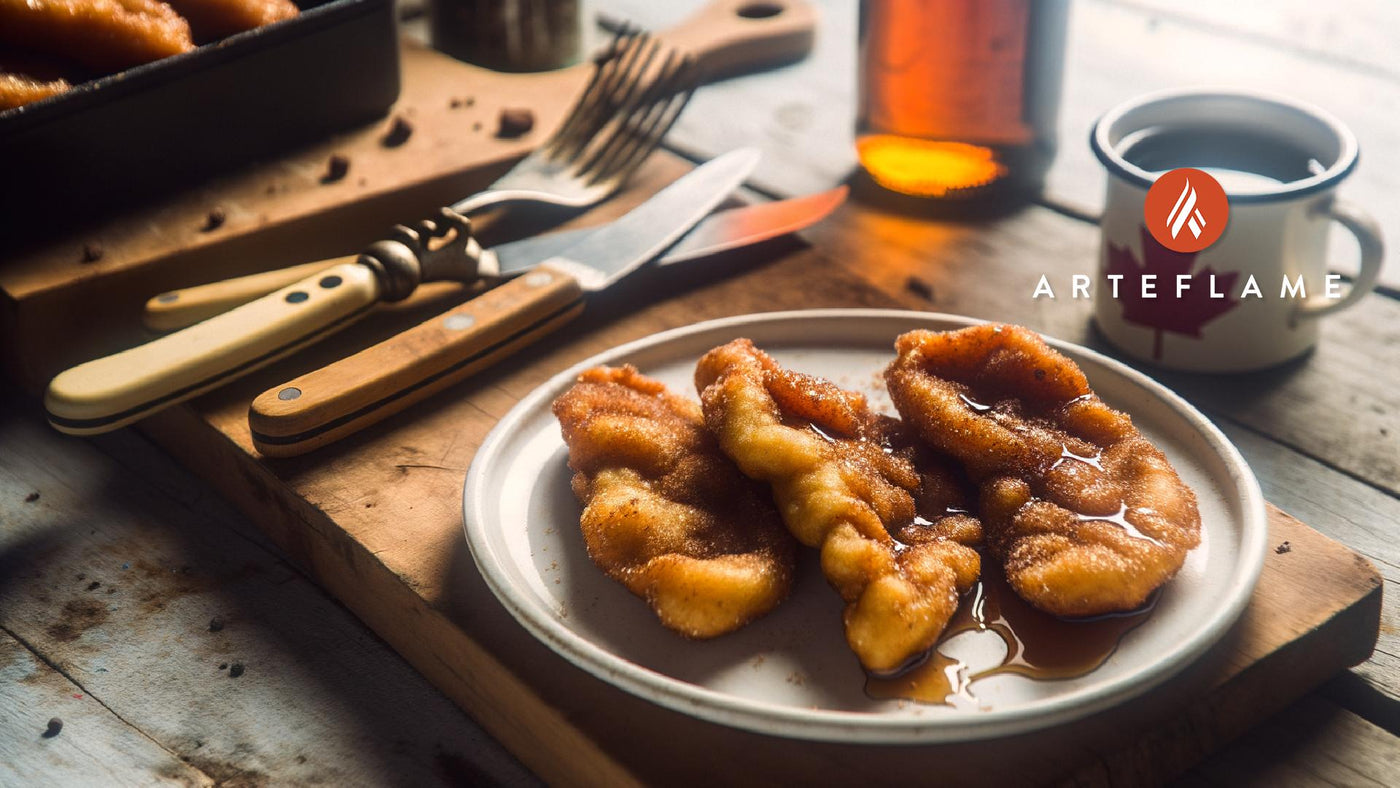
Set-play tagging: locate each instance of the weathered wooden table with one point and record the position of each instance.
(176, 643)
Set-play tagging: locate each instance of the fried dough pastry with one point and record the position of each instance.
(844, 478)
(215, 19)
(1087, 515)
(665, 513)
(17, 90)
(108, 35)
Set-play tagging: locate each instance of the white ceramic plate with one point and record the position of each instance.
(791, 673)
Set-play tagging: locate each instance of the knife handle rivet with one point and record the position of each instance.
(296, 297)
(290, 392)
(538, 279)
(458, 322)
(328, 282)
(167, 298)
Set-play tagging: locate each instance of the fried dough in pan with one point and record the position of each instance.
(17, 89)
(215, 19)
(1087, 516)
(665, 513)
(107, 35)
(844, 478)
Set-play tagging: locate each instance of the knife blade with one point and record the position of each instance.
(718, 232)
(341, 398)
(107, 393)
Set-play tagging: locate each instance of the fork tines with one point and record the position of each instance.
(638, 89)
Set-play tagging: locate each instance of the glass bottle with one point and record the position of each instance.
(959, 99)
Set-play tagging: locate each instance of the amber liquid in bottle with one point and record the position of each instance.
(959, 98)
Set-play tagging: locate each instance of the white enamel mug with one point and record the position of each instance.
(1276, 231)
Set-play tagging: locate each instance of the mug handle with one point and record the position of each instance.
(1368, 237)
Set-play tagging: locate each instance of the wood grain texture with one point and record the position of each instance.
(376, 518)
(1358, 33)
(1312, 742)
(990, 270)
(114, 584)
(802, 116)
(93, 746)
(333, 401)
(1344, 509)
(1116, 53)
(291, 211)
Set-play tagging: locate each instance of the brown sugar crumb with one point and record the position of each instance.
(54, 728)
(1283, 548)
(216, 624)
(214, 220)
(32, 497)
(235, 670)
(514, 123)
(399, 132)
(919, 287)
(336, 168)
(92, 253)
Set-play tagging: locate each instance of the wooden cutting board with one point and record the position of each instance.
(377, 520)
(284, 212)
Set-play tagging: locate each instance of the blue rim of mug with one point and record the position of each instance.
(1122, 168)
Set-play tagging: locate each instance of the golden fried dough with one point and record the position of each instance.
(844, 478)
(1086, 514)
(665, 513)
(108, 35)
(17, 89)
(215, 19)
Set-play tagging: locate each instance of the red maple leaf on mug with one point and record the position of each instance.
(1184, 314)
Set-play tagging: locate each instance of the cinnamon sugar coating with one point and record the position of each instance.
(665, 513)
(844, 478)
(1086, 514)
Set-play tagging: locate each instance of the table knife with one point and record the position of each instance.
(718, 232)
(359, 390)
(107, 393)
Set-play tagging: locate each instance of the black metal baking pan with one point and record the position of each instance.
(174, 122)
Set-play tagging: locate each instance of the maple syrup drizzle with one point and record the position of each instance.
(1038, 645)
(1066, 454)
(1120, 519)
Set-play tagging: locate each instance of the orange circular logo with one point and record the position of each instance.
(1186, 210)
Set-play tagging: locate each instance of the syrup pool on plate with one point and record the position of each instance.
(1038, 645)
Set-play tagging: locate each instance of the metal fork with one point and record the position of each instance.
(638, 89)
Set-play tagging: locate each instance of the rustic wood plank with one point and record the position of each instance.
(92, 746)
(1312, 742)
(286, 211)
(279, 213)
(801, 116)
(1359, 516)
(1339, 404)
(422, 555)
(1351, 409)
(117, 586)
(415, 583)
(1357, 33)
(1116, 53)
